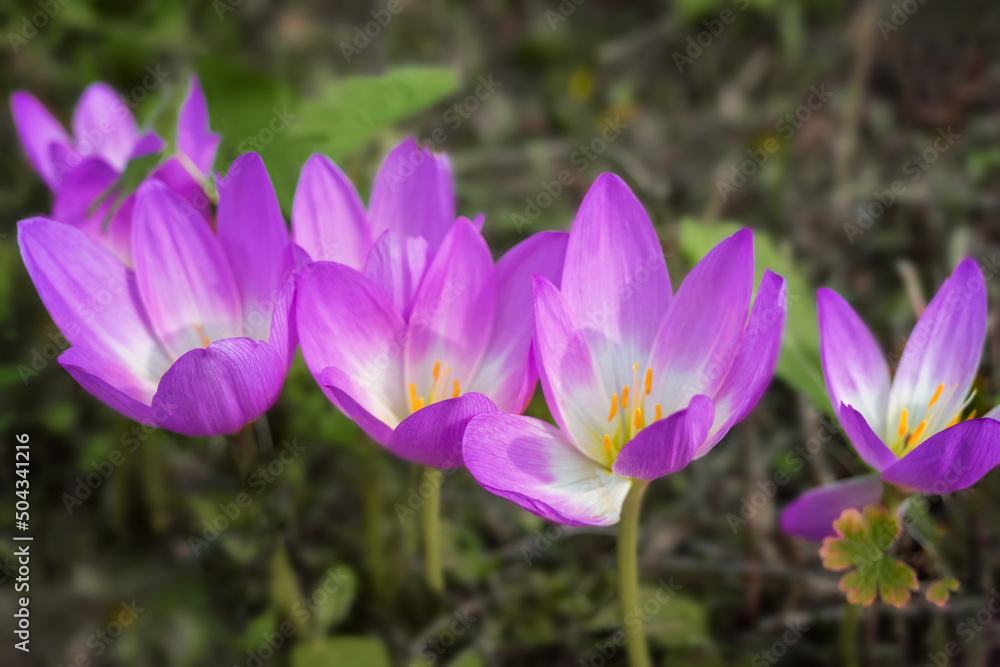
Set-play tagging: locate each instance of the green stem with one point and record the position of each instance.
(371, 505)
(628, 576)
(431, 517)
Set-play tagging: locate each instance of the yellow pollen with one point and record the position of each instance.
(916, 434)
(954, 421)
(649, 380)
(625, 398)
(902, 425)
(205, 341)
(614, 407)
(607, 442)
(936, 396)
(415, 401)
(659, 412)
(437, 369)
(456, 391)
(637, 420)
(971, 415)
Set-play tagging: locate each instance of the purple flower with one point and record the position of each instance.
(83, 168)
(912, 429)
(640, 380)
(411, 329)
(196, 337)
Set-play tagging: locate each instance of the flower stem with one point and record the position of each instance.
(431, 518)
(371, 503)
(628, 576)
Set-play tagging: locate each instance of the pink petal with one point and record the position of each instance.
(812, 514)
(38, 130)
(667, 445)
(183, 275)
(531, 463)
(432, 436)
(194, 135)
(328, 219)
(103, 125)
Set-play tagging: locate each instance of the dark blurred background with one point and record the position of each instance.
(782, 115)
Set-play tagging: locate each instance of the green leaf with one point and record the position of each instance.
(799, 364)
(863, 541)
(342, 652)
(940, 591)
(257, 630)
(468, 659)
(285, 593)
(350, 112)
(333, 597)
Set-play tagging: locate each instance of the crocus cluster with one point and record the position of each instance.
(914, 429)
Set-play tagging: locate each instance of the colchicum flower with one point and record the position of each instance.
(913, 429)
(84, 168)
(411, 329)
(639, 380)
(195, 338)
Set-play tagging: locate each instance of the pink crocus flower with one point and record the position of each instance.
(195, 337)
(913, 429)
(412, 329)
(639, 380)
(84, 167)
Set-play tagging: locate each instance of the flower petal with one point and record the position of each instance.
(91, 296)
(531, 463)
(252, 232)
(615, 280)
(346, 322)
(103, 125)
(180, 180)
(432, 436)
(667, 445)
(951, 460)
(345, 394)
(944, 348)
(854, 366)
(396, 264)
(80, 190)
(38, 130)
(183, 275)
(699, 336)
(328, 219)
(413, 195)
(219, 389)
(755, 358)
(453, 314)
(507, 374)
(195, 138)
(110, 382)
(812, 514)
(866, 442)
(571, 378)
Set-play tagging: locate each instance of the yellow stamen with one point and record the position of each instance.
(971, 415)
(205, 341)
(625, 398)
(902, 425)
(916, 434)
(649, 380)
(637, 420)
(614, 407)
(659, 412)
(954, 421)
(415, 401)
(937, 395)
(607, 442)
(456, 391)
(437, 369)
